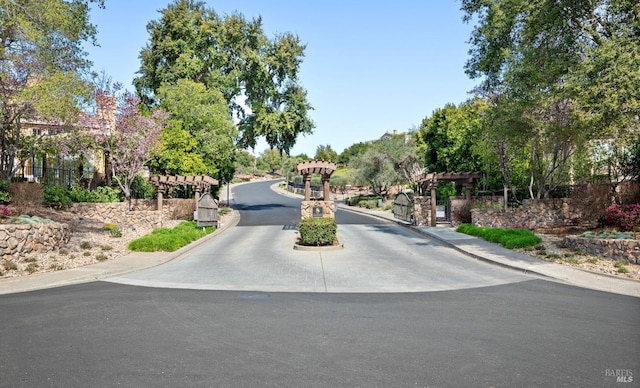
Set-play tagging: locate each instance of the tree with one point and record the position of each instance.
(199, 137)
(231, 55)
(353, 150)
(386, 163)
(326, 153)
(272, 160)
(569, 67)
(446, 139)
(375, 169)
(132, 142)
(41, 70)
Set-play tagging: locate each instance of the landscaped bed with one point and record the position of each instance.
(170, 240)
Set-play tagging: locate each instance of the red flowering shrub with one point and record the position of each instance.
(625, 217)
(5, 211)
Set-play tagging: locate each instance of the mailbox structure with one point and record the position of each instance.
(316, 208)
(207, 211)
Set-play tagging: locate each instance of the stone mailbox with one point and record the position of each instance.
(207, 211)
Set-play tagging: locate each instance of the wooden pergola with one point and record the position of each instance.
(199, 183)
(430, 181)
(325, 169)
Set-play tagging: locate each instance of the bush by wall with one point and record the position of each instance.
(57, 197)
(363, 200)
(625, 217)
(509, 238)
(318, 231)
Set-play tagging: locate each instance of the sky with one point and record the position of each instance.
(370, 67)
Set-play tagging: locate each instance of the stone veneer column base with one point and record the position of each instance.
(327, 209)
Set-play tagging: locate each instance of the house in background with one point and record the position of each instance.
(88, 170)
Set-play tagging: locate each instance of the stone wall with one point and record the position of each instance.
(143, 212)
(610, 248)
(328, 209)
(460, 207)
(17, 240)
(422, 210)
(539, 214)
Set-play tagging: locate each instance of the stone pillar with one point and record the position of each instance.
(159, 201)
(467, 192)
(326, 192)
(197, 195)
(307, 186)
(432, 217)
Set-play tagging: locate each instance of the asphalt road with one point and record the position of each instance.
(492, 328)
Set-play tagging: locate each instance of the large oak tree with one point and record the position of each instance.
(258, 76)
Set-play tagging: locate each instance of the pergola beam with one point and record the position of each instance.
(200, 184)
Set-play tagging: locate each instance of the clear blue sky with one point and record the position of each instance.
(369, 67)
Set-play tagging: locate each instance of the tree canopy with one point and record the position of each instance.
(42, 68)
(257, 76)
(326, 153)
(563, 75)
(199, 138)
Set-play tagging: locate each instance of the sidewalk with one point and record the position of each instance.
(134, 261)
(496, 254)
(472, 246)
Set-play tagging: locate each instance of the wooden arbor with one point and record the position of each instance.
(200, 184)
(325, 169)
(430, 181)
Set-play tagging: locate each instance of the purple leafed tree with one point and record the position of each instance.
(130, 144)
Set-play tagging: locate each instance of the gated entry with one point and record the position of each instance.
(403, 207)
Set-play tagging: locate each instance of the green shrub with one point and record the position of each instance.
(355, 201)
(5, 197)
(57, 197)
(9, 265)
(101, 194)
(318, 231)
(141, 188)
(509, 238)
(31, 268)
(169, 240)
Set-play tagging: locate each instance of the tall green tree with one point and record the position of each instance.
(445, 141)
(387, 162)
(42, 69)
(272, 160)
(549, 58)
(257, 76)
(353, 150)
(199, 138)
(326, 153)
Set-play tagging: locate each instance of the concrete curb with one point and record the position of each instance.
(134, 261)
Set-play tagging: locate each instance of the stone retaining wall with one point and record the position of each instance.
(17, 240)
(144, 212)
(539, 214)
(422, 210)
(614, 249)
